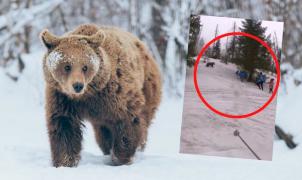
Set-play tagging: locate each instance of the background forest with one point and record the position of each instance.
(162, 24)
(246, 53)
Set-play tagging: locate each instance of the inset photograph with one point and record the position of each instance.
(236, 75)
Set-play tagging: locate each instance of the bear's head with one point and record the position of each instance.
(73, 60)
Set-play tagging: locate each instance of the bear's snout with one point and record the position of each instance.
(78, 87)
(117, 161)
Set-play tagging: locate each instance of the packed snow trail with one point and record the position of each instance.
(224, 91)
(204, 132)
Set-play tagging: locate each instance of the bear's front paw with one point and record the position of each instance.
(67, 161)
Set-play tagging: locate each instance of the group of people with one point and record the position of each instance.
(261, 79)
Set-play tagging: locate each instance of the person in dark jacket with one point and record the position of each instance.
(260, 80)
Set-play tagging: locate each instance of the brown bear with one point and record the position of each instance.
(106, 76)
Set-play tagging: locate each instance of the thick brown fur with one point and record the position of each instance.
(119, 98)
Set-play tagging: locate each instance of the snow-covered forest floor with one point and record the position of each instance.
(204, 132)
(24, 148)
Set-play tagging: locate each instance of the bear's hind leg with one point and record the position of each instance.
(104, 138)
(65, 136)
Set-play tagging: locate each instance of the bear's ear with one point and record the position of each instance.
(97, 39)
(49, 40)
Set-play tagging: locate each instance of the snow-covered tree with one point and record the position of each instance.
(193, 35)
(252, 53)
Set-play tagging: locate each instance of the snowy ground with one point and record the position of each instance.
(224, 91)
(204, 132)
(24, 148)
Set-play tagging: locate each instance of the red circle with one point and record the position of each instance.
(231, 115)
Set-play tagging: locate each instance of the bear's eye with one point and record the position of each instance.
(135, 120)
(67, 68)
(85, 68)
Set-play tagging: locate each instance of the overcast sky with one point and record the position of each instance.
(225, 25)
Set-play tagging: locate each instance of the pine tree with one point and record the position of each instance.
(193, 35)
(277, 50)
(251, 53)
(208, 52)
(216, 48)
(231, 49)
(265, 59)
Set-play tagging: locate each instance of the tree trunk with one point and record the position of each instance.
(27, 31)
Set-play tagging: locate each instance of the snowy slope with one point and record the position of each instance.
(224, 91)
(204, 132)
(24, 148)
